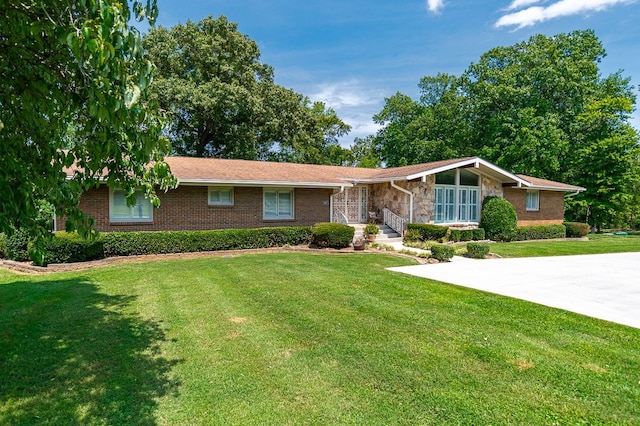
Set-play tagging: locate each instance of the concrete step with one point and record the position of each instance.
(385, 234)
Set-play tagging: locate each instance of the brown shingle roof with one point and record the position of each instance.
(550, 184)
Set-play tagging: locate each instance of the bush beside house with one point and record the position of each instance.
(539, 232)
(332, 235)
(576, 229)
(498, 219)
(442, 252)
(477, 250)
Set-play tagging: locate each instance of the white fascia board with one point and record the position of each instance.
(260, 183)
(476, 162)
(555, 188)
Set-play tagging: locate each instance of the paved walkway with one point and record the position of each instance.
(605, 286)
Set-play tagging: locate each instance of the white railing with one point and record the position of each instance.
(393, 221)
(339, 217)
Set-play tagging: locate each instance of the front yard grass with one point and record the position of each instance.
(597, 244)
(300, 338)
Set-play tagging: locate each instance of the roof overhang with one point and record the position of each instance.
(261, 183)
(482, 166)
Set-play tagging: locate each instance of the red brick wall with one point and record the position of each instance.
(551, 207)
(186, 208)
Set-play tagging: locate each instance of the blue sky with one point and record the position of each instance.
(351, 54)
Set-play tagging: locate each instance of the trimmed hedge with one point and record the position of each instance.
(333, 235)
(576, 229)
(70, 247)
(17, 245)
(429, 232)
(478, 234)
(457, 235)
(442, 252)
(498, 219)
(65, 248)
(540, 232)
(3, 246)
(160, 242)
(477, 250)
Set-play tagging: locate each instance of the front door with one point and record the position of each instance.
(351, 205)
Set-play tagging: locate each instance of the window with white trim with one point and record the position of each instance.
(533, 200)
(457, 195)
(278, 204)
(220, 196)
(119, 211)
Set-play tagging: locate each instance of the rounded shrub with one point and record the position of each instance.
(477, 250)
(576, 229)
(498, 219)
(442, 252)
(333, 235)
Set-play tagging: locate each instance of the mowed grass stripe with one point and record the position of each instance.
(299, 338)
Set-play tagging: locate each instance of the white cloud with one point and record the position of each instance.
(435, 6)
(345, 94)
(519, 4)
(355, 102)
(536, 14)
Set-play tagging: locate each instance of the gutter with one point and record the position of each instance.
(409, 193)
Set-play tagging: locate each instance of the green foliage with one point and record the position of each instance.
(371, 229)
(74, 92)
(158, 242)
(429, 232)
(3, 245)
(333, 235)
(478, 234)
(539, 107)
(498, 219)
(411, 235)
(223, 101)
(539, 232)
(442, 252)
(70, 247)
(477, 250)
(18, 245)
(457, 235)
(576, 229)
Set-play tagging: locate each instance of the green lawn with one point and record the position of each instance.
(300, 338)
(597, 244)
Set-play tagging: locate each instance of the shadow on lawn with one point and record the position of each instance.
(70, 354)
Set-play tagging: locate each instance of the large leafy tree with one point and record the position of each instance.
(223, 102)
(74, 80)
(539, 107)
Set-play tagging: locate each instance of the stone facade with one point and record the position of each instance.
(490, 187)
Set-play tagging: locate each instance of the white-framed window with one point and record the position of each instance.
(119, 211)
(278, 203)
(457, 195)
(220, 195)
(533, 200)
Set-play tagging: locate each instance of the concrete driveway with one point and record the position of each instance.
(605, 286)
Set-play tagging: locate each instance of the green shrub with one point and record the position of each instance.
(3, 246)
(454, 235)
(457, 235)
(334, 235)
(442, 252)
(411, 235)
(576, 229)
(539, 232)
(477, 250)
(70, 247)
(429, 232)
(159, 242)
(478, 234)
(17, 245)
(498, 219)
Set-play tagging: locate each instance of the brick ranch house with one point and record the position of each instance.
(216, 194)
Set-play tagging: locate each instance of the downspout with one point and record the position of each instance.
(410, 194)
(573, 194)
